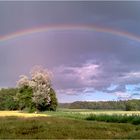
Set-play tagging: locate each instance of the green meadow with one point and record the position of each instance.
(70, 124)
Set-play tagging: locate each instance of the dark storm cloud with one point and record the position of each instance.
(82, 61)
(118, 63)
(25, 14)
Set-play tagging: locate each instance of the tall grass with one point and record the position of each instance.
(134, 119)
(130, 117)
(99, 116)
(69, 125)
(63, 128)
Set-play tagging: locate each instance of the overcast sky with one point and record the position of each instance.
(86, 64)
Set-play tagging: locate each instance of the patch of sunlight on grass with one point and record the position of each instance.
(21, 114)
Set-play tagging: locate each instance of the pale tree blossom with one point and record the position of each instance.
(32, 84)
(40, 83)
(41, 75)
(23, 81)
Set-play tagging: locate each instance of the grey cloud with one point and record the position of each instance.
(73, 50)
(69, 53)
(114, 67)
(26, 14)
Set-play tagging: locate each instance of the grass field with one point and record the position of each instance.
(98, 112)
(63, 124)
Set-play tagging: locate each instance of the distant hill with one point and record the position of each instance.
(103, 105)
(64, 105)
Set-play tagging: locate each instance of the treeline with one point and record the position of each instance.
(8, 99)
(128, 105)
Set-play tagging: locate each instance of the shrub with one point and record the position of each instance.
(134, 119)
(7, 99)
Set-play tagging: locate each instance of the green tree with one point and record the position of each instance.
(36, 92)
(53, 103)
(7, 99)
(24, 98)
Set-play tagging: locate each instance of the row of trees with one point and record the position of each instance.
(104, 105)
(34, 93)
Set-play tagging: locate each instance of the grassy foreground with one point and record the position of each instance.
(63, 128)
(58, 125)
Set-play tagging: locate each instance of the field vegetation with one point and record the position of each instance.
(105, 116)
(134, 119)
(63, 124)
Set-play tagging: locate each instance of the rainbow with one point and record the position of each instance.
(94, 28)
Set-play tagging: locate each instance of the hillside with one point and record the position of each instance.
(103, 105)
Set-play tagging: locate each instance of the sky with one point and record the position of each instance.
(91, 47)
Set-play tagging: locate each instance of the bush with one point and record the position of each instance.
(7, 99)
(134, 119)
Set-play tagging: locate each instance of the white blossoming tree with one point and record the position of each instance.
(36, 92)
